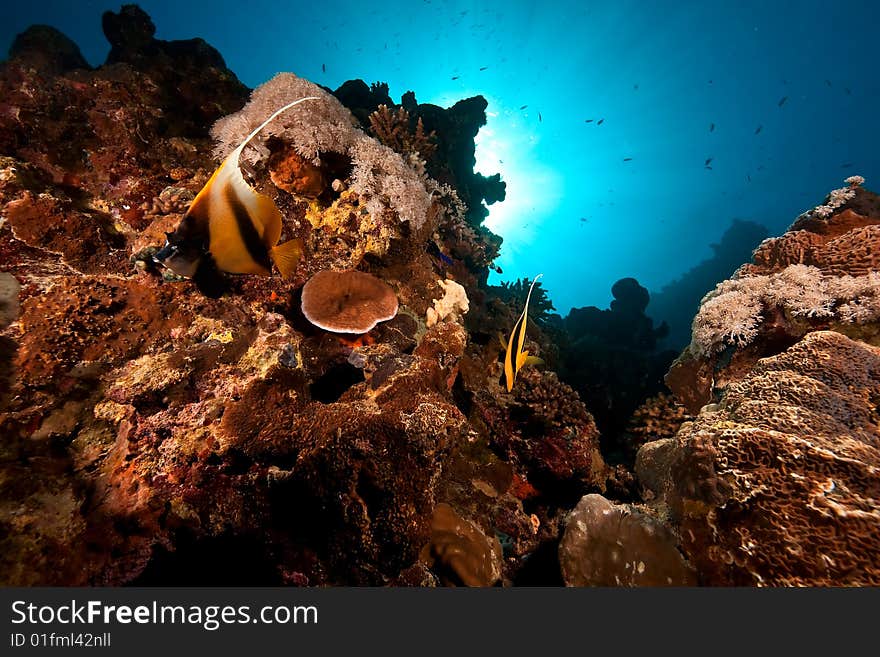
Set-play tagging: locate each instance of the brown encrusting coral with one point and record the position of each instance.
(777, 485)
(774, 482)
(617, 545)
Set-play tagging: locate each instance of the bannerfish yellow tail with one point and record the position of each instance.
(516, 357)
(233, 222)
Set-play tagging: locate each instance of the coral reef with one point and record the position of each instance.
(453, 129)
(610, 358)
(773, 482)
(821, 274)
(159, 430)
(156, 429)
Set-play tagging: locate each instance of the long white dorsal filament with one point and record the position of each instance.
(237, 152)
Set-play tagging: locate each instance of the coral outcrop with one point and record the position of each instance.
(821, 274)
(617, 545)
(160, 429)
(774, 481)
(777, 484)
(610, 357)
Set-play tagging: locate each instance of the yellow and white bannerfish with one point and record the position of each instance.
(516, 357)
(235, 224)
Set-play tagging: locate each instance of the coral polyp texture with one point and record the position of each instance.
(777, 484)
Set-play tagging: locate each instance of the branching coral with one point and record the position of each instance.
(393, 129)
(514, 294)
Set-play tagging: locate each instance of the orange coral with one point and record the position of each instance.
(293, 173)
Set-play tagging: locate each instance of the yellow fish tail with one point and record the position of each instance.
(286, 256)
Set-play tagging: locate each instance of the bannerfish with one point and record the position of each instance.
(516, 356)
(233, 224)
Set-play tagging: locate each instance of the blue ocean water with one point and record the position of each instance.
(710, 111)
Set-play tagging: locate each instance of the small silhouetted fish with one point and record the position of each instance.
(708, 167)
(627, 159)
(708, 161)
(635, 87)
(323, 68)
(483, 68)
(748, 178)
(455, 77)
(828, 82)
(600, 121)
(758, 129)
(846, 165)
(540, 120)
(524, 106)
(711, 127)
(848, 92)
(782, 101)
(588, 120)
(583, 220)
(760, 167)
(710, 81)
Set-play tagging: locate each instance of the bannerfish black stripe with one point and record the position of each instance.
(249, 236)
(510, 356)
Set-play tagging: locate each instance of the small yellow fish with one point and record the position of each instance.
(237, 226)
(516, 357)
